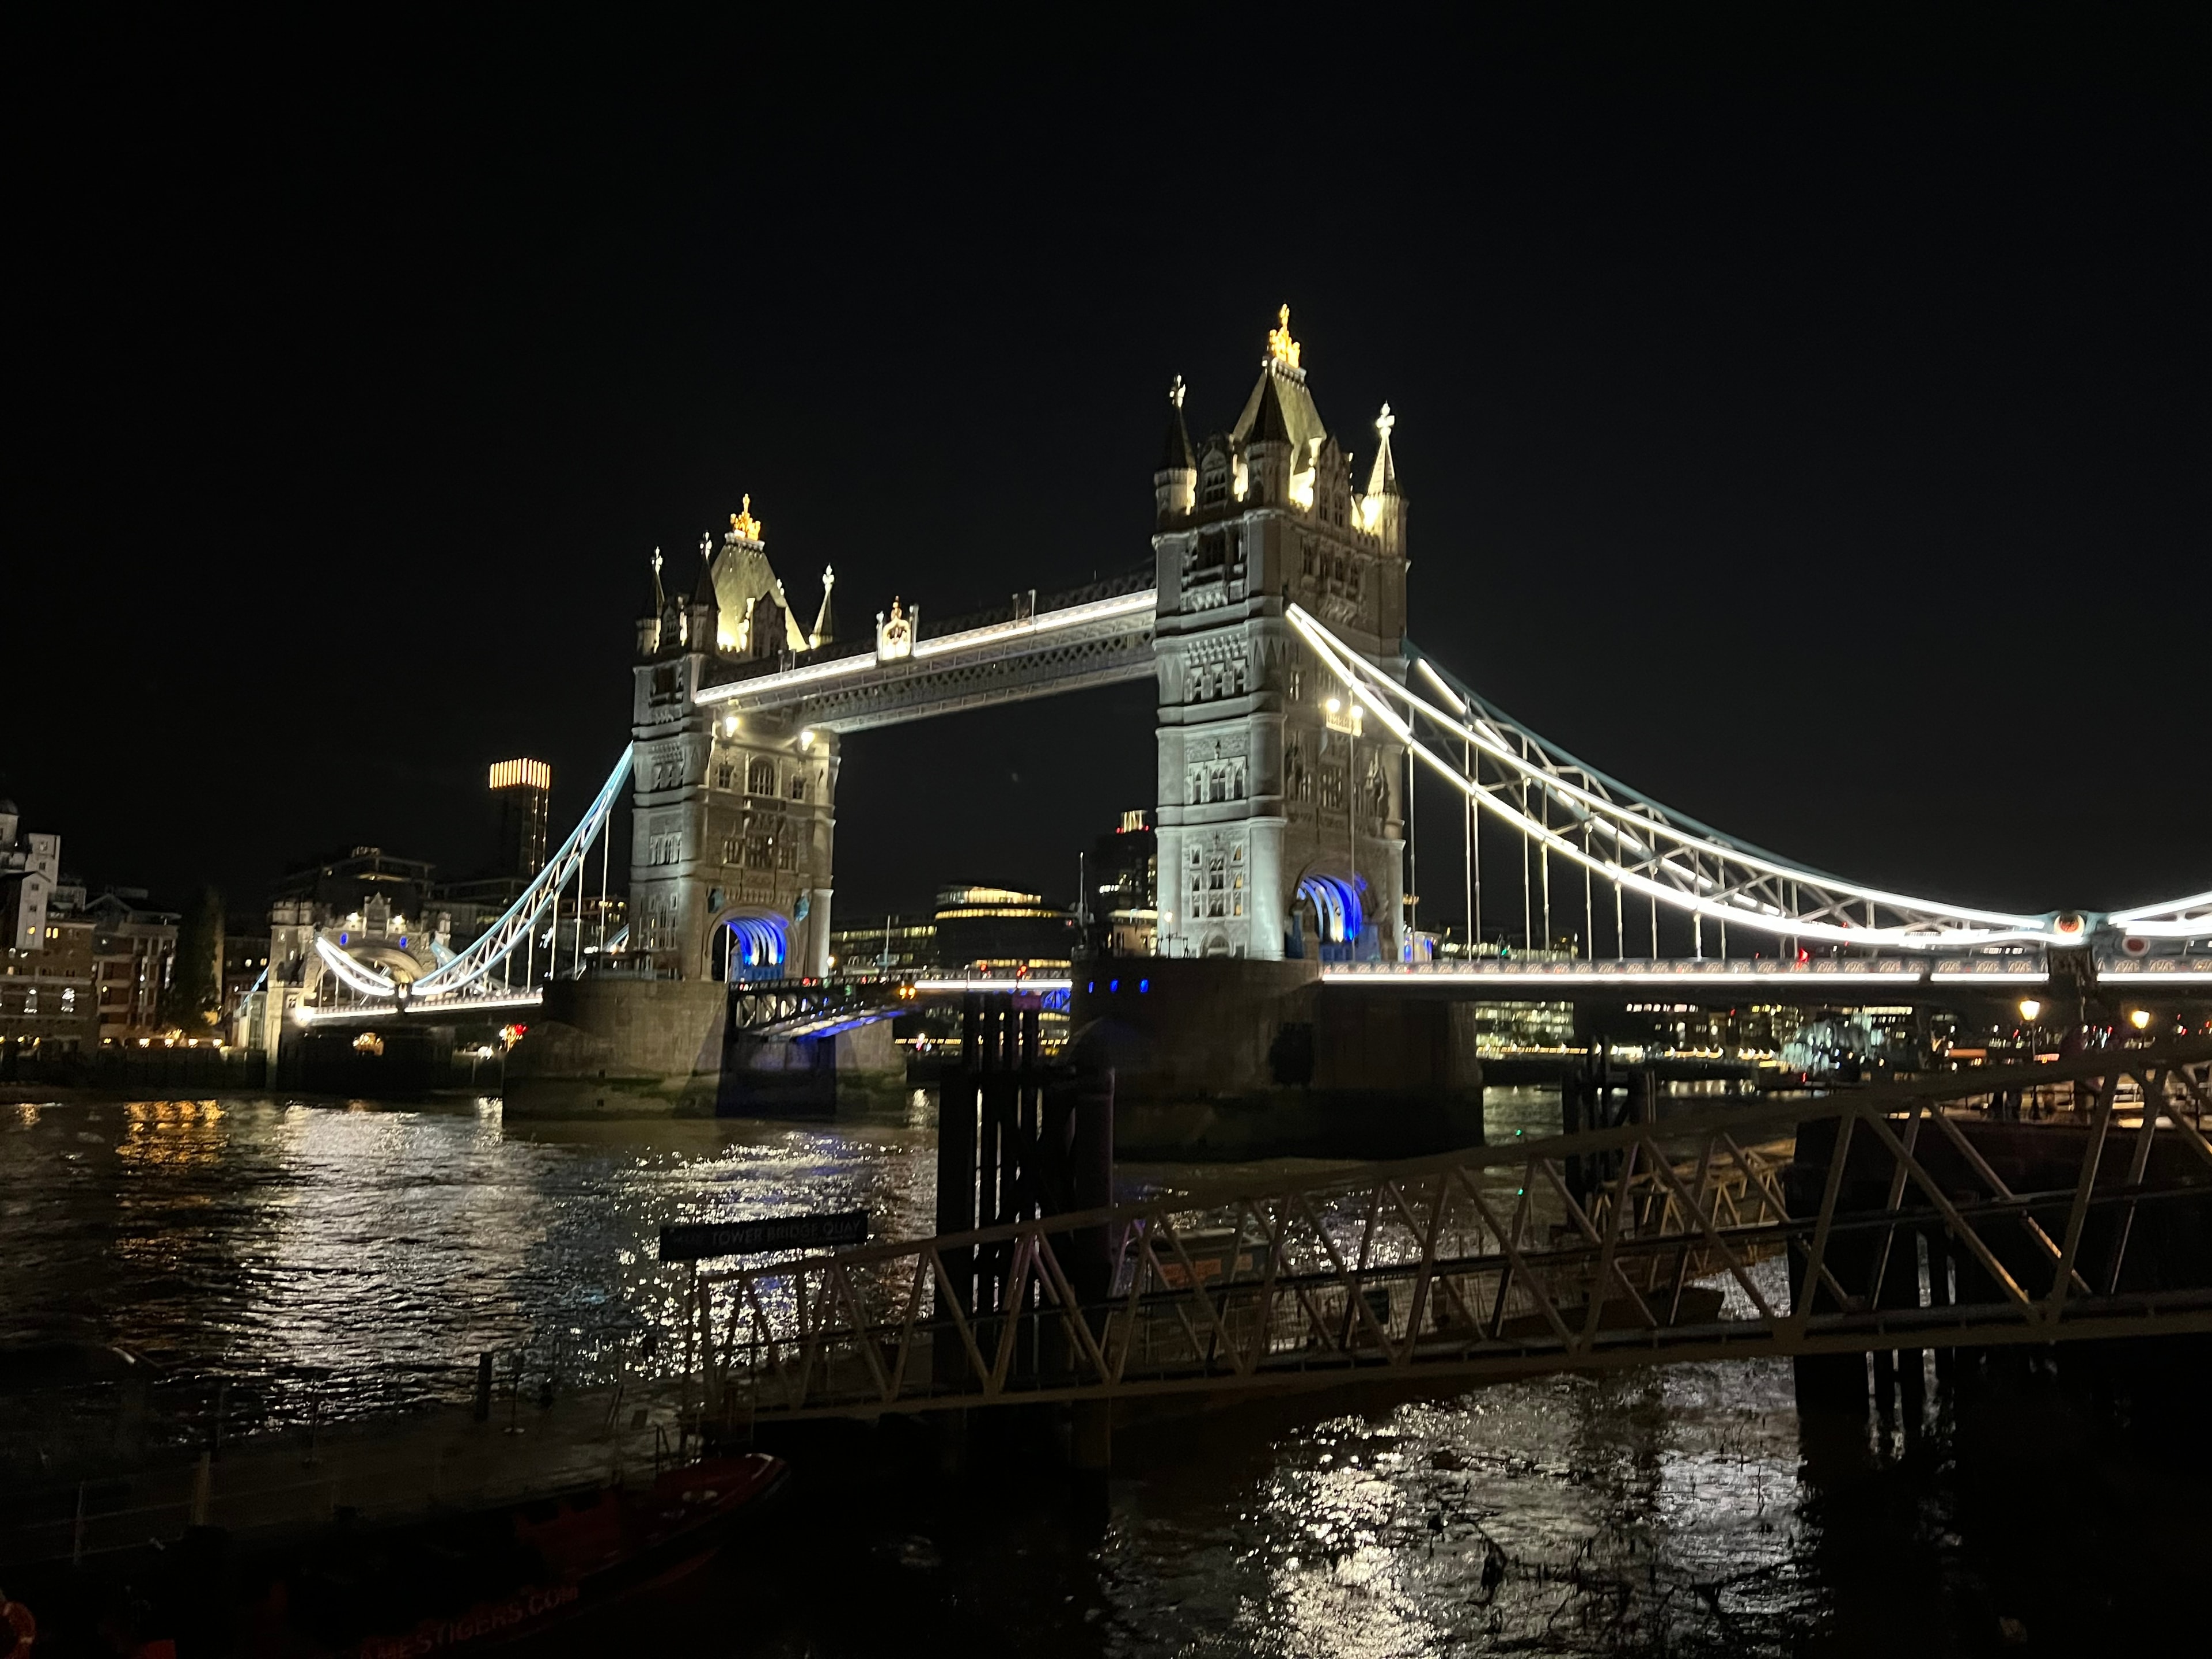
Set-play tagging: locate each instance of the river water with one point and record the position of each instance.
(355, 1259)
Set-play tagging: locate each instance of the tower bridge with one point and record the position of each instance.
(1294, 712)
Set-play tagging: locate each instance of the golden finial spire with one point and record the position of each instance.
(746, 527)
(1281, 348)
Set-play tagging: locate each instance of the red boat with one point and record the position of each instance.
(484, 1584)
(460, 1584)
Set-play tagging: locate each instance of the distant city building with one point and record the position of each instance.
(1000, 930)
(46, 984)
(896, 944)
(134, 951)
(30, 870)
(245, 956)
(351, 881)
(1121, 889)
(995, 929)
(524, 790)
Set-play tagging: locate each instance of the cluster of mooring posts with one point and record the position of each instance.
(1020, 1140)
(1882, 1221)
(1598, 1095)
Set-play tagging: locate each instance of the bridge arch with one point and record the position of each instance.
(751, 941)
(401, 966)
(1327, 916)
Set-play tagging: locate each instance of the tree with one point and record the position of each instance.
(195, 997)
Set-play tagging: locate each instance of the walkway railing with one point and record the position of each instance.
(1879, 1221)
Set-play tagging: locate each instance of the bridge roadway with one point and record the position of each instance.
(761, 1008)
(1704, 1237)
(807, 1007)
(1826, 982)
(1100, 635)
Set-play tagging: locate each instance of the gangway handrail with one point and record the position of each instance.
(1444, 1267)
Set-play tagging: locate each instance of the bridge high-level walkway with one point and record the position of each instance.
(1853, 1222)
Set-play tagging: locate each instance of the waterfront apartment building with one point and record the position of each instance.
(134, 955)
(47, 999)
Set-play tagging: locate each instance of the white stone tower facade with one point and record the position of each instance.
(1281, 814)
(734, 830)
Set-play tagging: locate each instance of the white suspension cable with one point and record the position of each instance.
(352, 973)
(519, 923)
(1751, 887)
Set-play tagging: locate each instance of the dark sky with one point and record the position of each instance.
(1811, 429)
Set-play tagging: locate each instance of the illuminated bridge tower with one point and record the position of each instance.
(732, 836)
(1281, 814)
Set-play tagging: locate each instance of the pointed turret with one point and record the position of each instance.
(1175, 483)
(703, 602)
(825, 619)
(1280, 428)
(1383, 477)
(1383, 509)
(1269, 424)
(1176, 457)
(1267, 448)
(649, 625)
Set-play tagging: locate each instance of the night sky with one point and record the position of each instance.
(1810, 429)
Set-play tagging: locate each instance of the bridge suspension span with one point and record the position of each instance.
(465, 975)
(1561, 807)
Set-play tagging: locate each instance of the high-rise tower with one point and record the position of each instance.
(1281, 815)
(523, 789)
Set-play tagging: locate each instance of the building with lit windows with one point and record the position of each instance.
(46, 986)
(896, 944)
(524, 790)
(986, 930)
(134, 952)
(996, 930)
(1121, 890)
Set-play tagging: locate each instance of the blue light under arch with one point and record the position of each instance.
(1336, 906)
(758, 945)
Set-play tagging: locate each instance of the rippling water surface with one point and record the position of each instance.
(362, 1256)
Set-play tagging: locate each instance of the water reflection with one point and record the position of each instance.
(366, 1255)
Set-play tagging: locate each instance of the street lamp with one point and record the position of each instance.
(2139, 1017)
(2029, 1008)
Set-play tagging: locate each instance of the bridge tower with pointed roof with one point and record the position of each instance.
(1281, 810)
(734, 822)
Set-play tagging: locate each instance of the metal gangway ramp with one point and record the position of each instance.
(1841, 1223)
